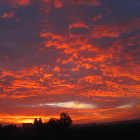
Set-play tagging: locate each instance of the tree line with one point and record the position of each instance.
(53, 124)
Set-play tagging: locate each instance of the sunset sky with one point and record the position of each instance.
(76, 56)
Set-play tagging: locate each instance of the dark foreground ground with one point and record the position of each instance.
(115, 131)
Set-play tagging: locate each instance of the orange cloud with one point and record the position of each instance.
(118, 70)
(57, 69)
(78, 25)
(115, 30)
(92, 79)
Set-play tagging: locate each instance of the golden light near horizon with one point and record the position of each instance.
(23, 119)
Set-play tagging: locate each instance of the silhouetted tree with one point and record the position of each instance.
(38, 123)
(35, 122)
(53, 123)
(65, 120)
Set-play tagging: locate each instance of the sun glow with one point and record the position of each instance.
(22, 119)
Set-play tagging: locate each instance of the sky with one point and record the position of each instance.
(81, 57)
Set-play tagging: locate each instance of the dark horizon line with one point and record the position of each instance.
(80, 124)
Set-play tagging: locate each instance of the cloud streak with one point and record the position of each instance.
(72, 104)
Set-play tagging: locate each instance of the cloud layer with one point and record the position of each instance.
(80, 56)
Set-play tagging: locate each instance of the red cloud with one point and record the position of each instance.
(8, 15)
(115, 30)
(60, 3)
(16, 2)
(78, 25)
